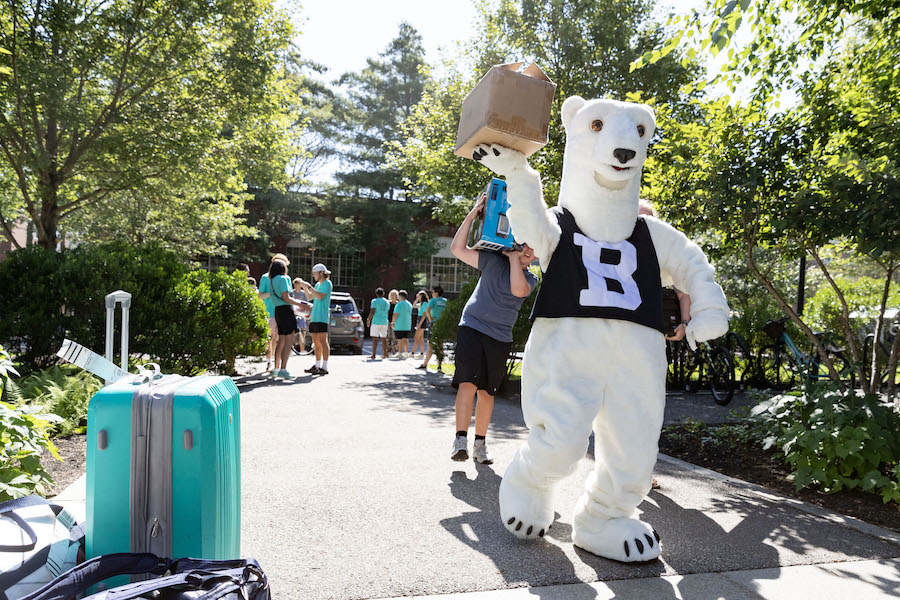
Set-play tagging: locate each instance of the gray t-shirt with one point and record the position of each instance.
(492, 309)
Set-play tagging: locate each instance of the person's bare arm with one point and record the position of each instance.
(286, 296)
(518, 285)
(458, 246)
(312, 291)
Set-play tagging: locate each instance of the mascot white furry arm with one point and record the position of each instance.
(596, 357)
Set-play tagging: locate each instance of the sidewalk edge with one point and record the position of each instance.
(829, 515)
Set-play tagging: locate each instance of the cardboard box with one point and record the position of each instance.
(509, 108)
(490, 231)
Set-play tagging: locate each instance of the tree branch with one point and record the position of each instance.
(788, 310)
(8, 233)
(855, 353)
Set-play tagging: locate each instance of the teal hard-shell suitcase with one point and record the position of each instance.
(163, 467)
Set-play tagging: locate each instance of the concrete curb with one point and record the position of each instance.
(817, 511)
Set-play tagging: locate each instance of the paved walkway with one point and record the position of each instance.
(349, 492)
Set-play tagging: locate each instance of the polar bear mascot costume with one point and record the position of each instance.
(596, 356)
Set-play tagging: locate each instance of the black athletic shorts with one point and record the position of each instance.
(402, 335)
(318, 327)
(285, 320)
(480, 359)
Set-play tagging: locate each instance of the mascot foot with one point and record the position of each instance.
(526, 510)
(624, 540)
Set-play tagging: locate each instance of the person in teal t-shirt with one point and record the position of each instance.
(378, 322)
(319, 317)
(403, 322)
(265, 292)
(432, 313)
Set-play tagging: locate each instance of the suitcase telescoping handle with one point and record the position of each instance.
(119, 296)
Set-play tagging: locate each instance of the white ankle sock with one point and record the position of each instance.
(325, 364)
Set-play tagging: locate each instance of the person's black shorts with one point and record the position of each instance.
(318, 327)
(480, 359)
(285, 320)
(402, 335)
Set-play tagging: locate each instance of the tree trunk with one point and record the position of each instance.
(892, 369)
(875, 379)
(815, 341)
(49, 216)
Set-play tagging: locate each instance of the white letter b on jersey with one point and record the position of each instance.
(610, 283)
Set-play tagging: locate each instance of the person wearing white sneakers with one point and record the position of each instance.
(402, 323)
(484, 337)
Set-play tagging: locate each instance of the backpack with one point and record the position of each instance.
(182, 579)
(38, 542)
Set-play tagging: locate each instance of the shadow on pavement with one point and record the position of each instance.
(536, 563)
(251, 382)
(416, 393)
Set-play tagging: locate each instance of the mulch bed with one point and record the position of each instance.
(751, 463)
(73, 451)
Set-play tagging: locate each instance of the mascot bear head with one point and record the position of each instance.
(606, 146)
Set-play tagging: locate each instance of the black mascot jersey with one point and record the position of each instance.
(586, 278)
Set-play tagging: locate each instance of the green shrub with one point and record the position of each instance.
(23, 435)
(32, 304)
(214, 317)
(190, 321)
(835, 440)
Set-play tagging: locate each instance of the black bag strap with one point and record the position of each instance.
(8, 508)
(77, 580)
(23, 524)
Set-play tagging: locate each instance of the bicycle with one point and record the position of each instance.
(743, 360)
(709, 365)
(781, 364)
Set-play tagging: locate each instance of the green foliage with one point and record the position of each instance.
(69, 401)
(584, 46)
(180, 99)
(214, 317)
(382, 96)
(863, 296)
(835, 440)
(190, 321)
(6, 368)
(32, 304)
(23, 436)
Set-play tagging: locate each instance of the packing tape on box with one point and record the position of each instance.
(77, 354)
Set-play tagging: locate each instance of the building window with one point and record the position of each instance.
(346, 269)
(214, 263)
(449, 273)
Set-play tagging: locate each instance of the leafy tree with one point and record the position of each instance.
(382, 97)
(110, 97)
(584, 46)
(797, 181)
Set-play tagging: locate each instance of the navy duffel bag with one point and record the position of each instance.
(182, 579)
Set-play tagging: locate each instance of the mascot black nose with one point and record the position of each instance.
(623, 154)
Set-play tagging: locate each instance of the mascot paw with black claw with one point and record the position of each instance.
(499, 159)
(526, 510)
(624, 540)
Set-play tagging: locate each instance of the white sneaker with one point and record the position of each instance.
(481, 454)
(460, 448)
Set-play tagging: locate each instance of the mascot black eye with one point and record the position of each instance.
(597, 125)
(641, 130)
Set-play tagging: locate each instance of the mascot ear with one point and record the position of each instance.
(651, 113)
(571, 106)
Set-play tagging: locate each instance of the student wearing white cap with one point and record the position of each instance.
(319, 317)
